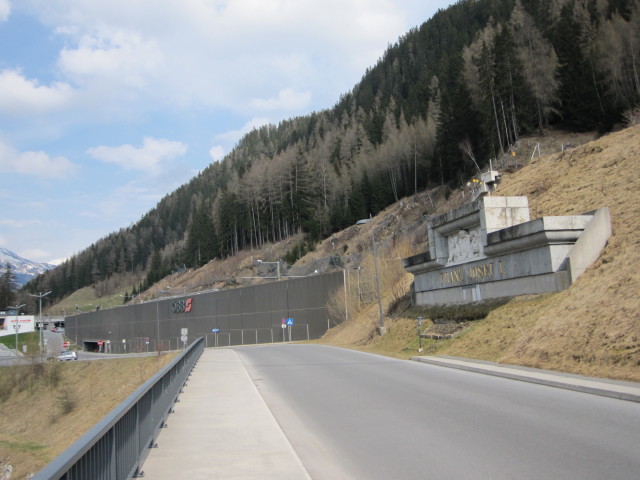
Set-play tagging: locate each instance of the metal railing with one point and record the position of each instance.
(117, 446)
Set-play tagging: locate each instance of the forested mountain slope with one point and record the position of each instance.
(444, 99)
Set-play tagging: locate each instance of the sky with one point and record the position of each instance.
(106, 106)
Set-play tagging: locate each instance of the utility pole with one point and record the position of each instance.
(375, 263)
(41, 323)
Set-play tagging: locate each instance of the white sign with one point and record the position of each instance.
(26, 324)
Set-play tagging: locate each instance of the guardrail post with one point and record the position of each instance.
(112, 462)
(95, 454)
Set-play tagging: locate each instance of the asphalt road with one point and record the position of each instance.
(352, 415)
(53, 343)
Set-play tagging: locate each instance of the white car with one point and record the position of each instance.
(66, 356)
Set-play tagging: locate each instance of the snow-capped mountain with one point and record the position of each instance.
(23, 269)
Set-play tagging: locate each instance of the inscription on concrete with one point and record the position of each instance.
(489, 249)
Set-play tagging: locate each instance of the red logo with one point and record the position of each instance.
(182, 306)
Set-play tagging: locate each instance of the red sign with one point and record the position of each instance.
(99, 342)
(182, 306)
(65, 344)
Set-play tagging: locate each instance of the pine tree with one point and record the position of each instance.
(579, 99)
(7, 288)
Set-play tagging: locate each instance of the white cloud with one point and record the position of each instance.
(13, 224)
(226, 52)
(147, 158)
(112, 58)
(232, 136)
(287, 100)
(23, 97)
(5, 10)
(37, 164)
(216, 153)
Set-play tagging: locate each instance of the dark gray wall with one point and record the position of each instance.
(243, 315)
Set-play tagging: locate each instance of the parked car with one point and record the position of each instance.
(66, 356)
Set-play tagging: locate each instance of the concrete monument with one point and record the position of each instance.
(490, 248)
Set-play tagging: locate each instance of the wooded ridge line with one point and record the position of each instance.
(442, 101)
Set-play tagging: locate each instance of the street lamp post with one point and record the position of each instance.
(40, 296)
(272, 263)
(16, 325)
(158, 317)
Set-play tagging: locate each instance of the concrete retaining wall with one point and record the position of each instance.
(243, 316)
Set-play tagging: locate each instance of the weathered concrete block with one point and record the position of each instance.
(490, 248)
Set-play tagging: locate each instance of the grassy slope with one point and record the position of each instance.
(86, 300)
(594, 327)
(47, 407)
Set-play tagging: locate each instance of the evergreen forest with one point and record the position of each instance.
(444, 99)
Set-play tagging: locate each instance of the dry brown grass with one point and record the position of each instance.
(47, 411)
(594, 327)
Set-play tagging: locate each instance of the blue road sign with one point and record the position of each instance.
(289, 321)
(215, 330)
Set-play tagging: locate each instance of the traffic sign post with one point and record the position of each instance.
(216, 331)
(184, 332)
(290, 324)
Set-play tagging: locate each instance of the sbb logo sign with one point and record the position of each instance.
(182, 306)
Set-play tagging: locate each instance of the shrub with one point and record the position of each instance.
(458, 313)
(66, 402)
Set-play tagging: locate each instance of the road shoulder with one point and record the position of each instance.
(629, 391)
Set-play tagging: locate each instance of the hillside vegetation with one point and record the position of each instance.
(593, 328)
(463, 88)
(46, 407)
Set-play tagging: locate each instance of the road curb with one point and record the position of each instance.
(621, 390)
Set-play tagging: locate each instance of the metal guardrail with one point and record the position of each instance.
(117, 446)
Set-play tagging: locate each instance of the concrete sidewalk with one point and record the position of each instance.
(222, 428)
(598, 386)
